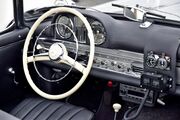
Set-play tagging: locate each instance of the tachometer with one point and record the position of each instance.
(99, 32)
(64, 24)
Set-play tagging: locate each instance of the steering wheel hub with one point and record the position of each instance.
(56, 51)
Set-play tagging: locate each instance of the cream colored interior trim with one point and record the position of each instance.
(37, 58)
(74, 63)
(65, 59)
(26, 60)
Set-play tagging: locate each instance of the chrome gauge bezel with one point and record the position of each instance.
(96, 41)
(58, 29)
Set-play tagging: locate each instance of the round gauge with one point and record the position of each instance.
(99, 32)
(151, 60)
(64, 24)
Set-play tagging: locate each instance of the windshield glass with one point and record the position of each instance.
(168, 8)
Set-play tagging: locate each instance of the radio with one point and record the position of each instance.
(136, 94)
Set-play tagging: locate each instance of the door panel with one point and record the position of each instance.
(11, 45)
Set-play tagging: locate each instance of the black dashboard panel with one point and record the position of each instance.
(132, 37)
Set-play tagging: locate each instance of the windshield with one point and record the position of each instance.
(168, 8)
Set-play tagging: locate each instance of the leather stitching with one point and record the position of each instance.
(43, 110)
(36, 103)
(22, 108)
(76, 113)
(16, 111)
(34, 107)
(66, 112)
(70, 109)
(55, 110)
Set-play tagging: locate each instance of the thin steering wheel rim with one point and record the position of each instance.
(86, 70)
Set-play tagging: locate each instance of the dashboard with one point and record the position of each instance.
(115, 61)
(121, 47)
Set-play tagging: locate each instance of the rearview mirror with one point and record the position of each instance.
(134, 13)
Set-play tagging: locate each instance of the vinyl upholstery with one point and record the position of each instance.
(5, 116)
(42, 109)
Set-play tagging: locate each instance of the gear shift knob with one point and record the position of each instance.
(116, 107)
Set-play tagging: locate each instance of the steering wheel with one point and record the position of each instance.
(58, 51)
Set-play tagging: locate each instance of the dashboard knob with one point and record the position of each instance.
(120, 66)
(103, 62)
(113, 63)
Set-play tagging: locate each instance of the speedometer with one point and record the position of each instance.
(99, 32)
(64, 24)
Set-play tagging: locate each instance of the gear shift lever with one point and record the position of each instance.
(116, 107)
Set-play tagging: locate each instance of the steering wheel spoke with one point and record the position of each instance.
(40, 47)
(70, 61)
(38, 57)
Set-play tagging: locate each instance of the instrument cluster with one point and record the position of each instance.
(67, 25)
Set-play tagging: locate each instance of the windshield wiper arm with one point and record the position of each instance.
(155, 14)
(118, 5)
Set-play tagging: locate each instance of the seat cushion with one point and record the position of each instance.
(6, 116)
(42, 109)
